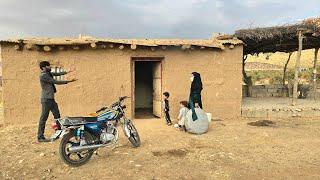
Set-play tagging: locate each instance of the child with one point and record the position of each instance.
(166, 107)
(182, 115)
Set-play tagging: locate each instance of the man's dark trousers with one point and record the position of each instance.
(47, 106)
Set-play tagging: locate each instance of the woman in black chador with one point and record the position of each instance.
(195, 94)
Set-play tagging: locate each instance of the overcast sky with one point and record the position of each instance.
(145, 18)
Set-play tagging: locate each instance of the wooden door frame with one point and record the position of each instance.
(135, 59)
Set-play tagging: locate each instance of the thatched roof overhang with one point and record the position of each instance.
(280, 38)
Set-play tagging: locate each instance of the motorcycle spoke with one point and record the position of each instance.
(80, 157)
(72, 143)
(134, 137)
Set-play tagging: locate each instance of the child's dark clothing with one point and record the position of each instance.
(166, 109)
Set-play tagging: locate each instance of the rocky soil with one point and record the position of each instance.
(289, 149)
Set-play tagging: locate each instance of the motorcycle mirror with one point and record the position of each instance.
(123, 98)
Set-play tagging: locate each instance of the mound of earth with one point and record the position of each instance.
(261, 123)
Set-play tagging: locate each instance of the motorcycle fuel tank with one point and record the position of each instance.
(108, 115)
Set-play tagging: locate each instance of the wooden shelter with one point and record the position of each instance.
(287, 38)
(280, 38)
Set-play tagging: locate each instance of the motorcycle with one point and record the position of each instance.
(82, 136)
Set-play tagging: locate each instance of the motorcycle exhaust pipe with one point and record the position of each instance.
(85, 147)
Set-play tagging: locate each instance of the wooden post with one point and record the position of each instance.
(285, 70)
(246, 79)
(296, 72)
(315, 72)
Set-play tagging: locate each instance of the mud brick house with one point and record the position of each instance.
(108, 68)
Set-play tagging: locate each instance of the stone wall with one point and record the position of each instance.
(281, 112)
(260, 91)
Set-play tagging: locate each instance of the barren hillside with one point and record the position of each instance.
(281, 58)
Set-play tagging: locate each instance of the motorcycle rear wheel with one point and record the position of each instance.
(78, 158)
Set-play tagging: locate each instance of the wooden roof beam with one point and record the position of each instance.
(47, 48)
(121, 47)
(133, 46)
(93, 45)
(185, 46)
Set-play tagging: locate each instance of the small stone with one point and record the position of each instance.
(131, 161)
(138, 165)
(298, 110)
(42, 154)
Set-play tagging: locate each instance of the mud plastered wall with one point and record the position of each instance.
(106, 74)
(221, 73)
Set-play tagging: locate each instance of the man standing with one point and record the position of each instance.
(48, 103)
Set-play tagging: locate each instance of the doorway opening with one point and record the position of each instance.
(147, 89)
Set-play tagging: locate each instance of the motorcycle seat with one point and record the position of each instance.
(70, 121)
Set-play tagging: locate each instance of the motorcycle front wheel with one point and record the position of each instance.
(134, 137)
(77, 158)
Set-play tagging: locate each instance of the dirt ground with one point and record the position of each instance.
(278, 103)
(231, 149)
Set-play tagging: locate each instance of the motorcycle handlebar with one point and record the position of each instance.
(102, 109)
(114, 104)
(123, 98)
